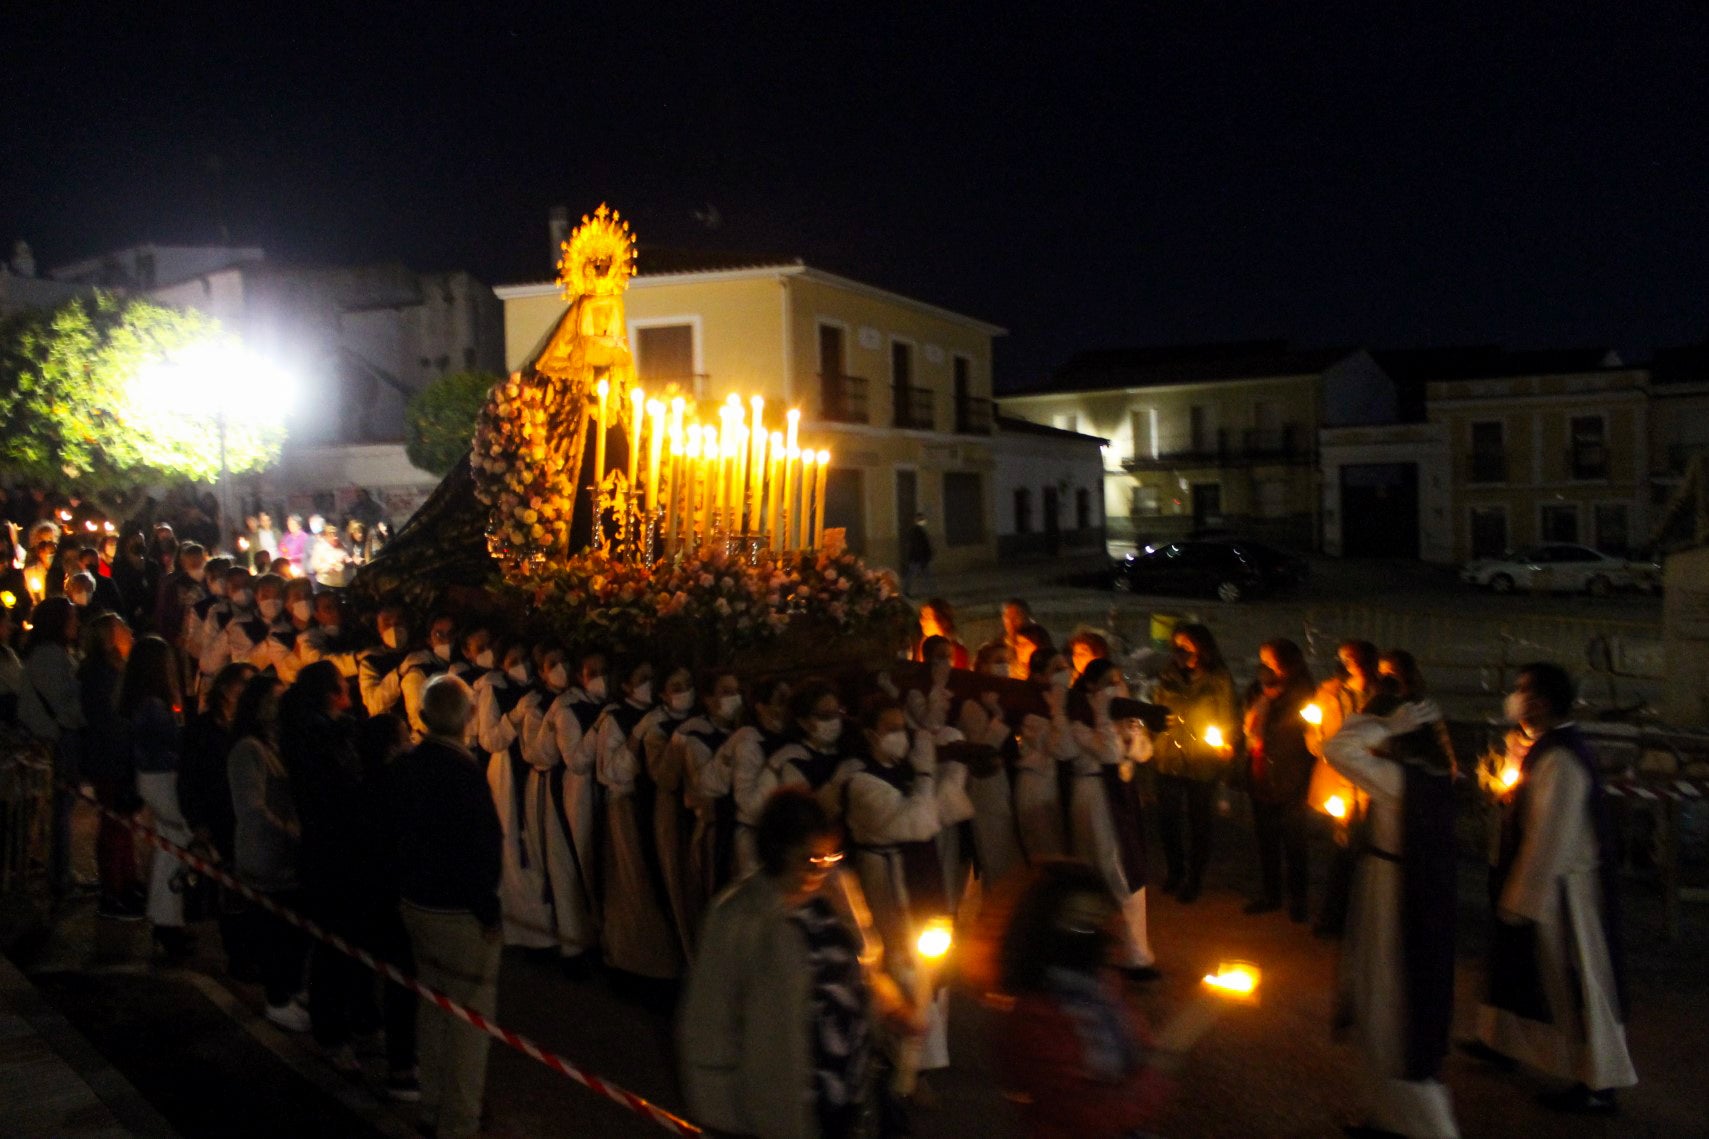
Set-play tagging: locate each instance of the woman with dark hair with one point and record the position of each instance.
(1279, 764)
(1106, 826)
(106, 764)
(1072, 1054)
(1194, 756)
(204, 790)
(51, 708)
(1033, 648)
(1347, 693)
(150, 703)
(752, 777)
(1400, 674)
(778, 1023)
(937, 619)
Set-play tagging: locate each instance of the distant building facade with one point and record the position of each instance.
(1049, 490)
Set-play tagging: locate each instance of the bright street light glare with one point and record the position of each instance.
(217, 376)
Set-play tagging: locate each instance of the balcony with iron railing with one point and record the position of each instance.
(915, 408)
(1287, 446)
(842, 399)
(975, 416)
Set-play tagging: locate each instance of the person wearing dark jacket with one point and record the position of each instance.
(204, 792)
(107, 765)
(1279, 765)
(446, 847)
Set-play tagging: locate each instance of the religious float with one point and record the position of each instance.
(645, 522)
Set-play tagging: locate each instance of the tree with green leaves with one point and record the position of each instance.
(106, 396)
(440, 420)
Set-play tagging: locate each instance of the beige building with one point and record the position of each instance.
(898, 390)
(1210, 437)
(1551, 447)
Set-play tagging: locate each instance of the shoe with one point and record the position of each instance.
(1141, 972)
(1476, 1049)
(292, 1017)
(1580, 1100)
(343, 1060)
(1261, 906)
(404, 1087)
(1188, 894)
(118, 909)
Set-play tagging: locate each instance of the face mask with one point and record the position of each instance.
(242, 598)
(442, 651)
(825, 732)
(216, 587)
(680, 702)
(518, 673)
(271, 607)
(198, 573)
(79, 599)
(484, 659)
(893, 744)
(595, 688)
(728, 706)
(642, 693)
(392, 637)
(302, 610)
(997, 670)
(558, 676)
(1513, 708)
(1061, 678)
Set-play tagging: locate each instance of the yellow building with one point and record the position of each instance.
(898, 390)
(1209, 437)
(1555, 447)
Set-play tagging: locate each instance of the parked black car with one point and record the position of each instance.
(1227, 570)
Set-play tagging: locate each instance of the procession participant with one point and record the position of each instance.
(1199, 693)
(1396, 982)
(928, 703)
(564, 738)
(895, 806)
(267, 638)
(1033, 647)
(1044, 745)
(990, 782)
(1350, 691)
(751, 779)
(1017, 615)
(672, 823)
(1083, 648)
(378, 666)
(478, 656)
(639, 938)
(426, 663)
(239, 605)
(1106, 827)
(937, 619)
(546, 819)
(199, 597)
(501, 710)
(191, 571)
(1279, 764)
(815, 758)
(706, 757)
(329, 640)
(299, 611)
(1556, 997)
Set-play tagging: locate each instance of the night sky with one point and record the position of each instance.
(1086, 177)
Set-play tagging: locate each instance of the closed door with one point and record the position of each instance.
(1207, 505)
(907, 503)
(830, 350)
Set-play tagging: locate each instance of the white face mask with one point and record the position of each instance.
(1513, 708)
(392, 637)
(825, 732)
(642, 693)
(893, 745)
(302, 610)
(595, 688)
(484, 659)
(558, 677)
(1061, 678)
(217, 587)
(442, 651)
(728, 706)
(198, 573)
(271, 607)
(680, 702)
(79, 598)
(242, 597)
(518, 673)
(997, 670)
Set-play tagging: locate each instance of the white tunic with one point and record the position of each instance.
(558, 738)
(1092, 833)
(547, 827)
(528, 919)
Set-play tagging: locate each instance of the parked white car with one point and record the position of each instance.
(1561, 568)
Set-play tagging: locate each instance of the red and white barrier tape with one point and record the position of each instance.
(1658, 788)
(673, 1123)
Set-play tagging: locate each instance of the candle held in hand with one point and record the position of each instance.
(1335, 807)
(1312, 714)
(1237, 980)
(1213, 736)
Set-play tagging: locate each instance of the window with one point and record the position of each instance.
(830, 350)
(1489, 531)
(1611, 528)
(1198, 429)
(1489, 453)
(1146, 502)
(1023, 510)
(665, 354)
(901, 363)
(1559, 522)
(964, 508)
(1589, 453)
(845, 505)
(1272, 499)
(1082, 508)
(1066, 421)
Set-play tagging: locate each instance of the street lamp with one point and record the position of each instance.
(222, 380)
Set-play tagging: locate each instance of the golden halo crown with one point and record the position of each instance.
(599, 257)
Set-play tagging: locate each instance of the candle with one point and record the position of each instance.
(1235, 979)
(691, 476)
(786, 520)
(756, 464)
(1335, 807)
(636, 415)
(1510, 776)
(1213, 736)
(824, 465)
(604, 391)
(709, 462)
(656, 444)
(1312, 714)
(774, 493)
(802, 533)
(793, 421)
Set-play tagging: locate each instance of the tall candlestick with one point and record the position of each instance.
(637, 413)
(655, 450)
(756, 466)
(801, 531)
(824, 465)
(793, 422)
(691, 479)
(709, 460)
(786, 535)
(604, 390)
(774, 489)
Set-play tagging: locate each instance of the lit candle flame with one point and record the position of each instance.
(1335, 807)
(1213, 736)
(1312, 714)
(1237, 979)
(935, 939)
(1510, 776)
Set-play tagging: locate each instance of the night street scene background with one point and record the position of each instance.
(674, 529)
